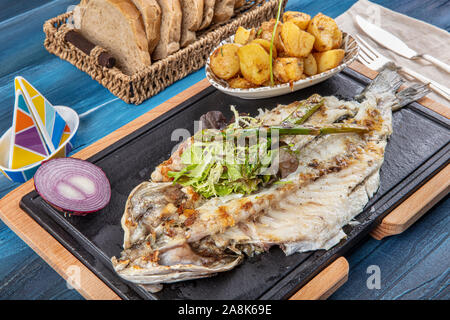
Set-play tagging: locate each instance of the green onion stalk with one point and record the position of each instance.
(300, 130)
(305, 109)
(280, 4)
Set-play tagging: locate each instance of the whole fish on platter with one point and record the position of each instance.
(299, 173)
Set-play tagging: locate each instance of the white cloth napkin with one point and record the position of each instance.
(418, 35)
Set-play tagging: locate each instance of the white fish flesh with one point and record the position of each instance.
(171, 233)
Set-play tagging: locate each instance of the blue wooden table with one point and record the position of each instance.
(414, 265)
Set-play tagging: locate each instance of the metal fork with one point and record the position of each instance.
(376, 61)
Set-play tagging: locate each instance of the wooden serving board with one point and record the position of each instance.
(320, 287)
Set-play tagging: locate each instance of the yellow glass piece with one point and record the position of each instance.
(64, 137)
(40, 107)
(29, 88)
(22, 158)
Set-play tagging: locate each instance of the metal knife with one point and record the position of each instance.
(391, 42)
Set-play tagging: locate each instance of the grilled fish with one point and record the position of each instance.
(172, 233)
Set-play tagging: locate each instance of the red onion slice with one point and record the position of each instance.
(73, 185)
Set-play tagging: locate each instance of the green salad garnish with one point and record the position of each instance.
(221, 162)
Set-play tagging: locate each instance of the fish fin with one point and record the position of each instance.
(410, 94)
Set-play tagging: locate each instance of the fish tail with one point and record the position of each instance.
(410, 94)
(389, 81)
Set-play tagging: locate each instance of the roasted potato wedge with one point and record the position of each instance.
(254, 61)
(224, 61)
(240, 83)
(288, 69)
(309, 65)
(266, 31)
(328, 59)
(297, 43)
(266, 45)
(244, 36)
(300, 19)
(326, 31)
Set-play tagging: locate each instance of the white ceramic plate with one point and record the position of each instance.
(351, 52)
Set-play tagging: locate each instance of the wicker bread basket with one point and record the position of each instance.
(151, 80)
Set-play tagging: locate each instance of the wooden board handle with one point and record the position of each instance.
(105, 59)
(325, 283)
(410, 210)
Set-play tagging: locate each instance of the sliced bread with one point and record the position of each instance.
(192, 19)
(223, 10)
(239, 3)
(171, 18)
(208, 13)
(117, 26)
(151, 16)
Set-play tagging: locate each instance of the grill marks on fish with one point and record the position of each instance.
(158, 212)
(171, 164)
(172, 234)
(332, 111)
(147, 263)
(295, 216)
(157, 224)
(318, 207)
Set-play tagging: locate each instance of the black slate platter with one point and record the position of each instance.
(418, 148)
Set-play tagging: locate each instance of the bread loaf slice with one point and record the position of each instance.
(116, 25)
(223, 10)
(239, 3)
(78, 13)
(208, 13)
(151, 16)
(192, 19)
(171, 18)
